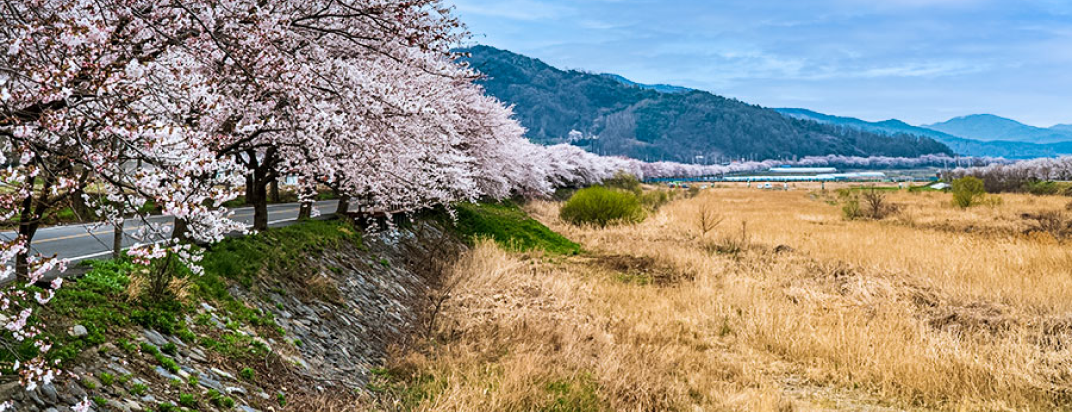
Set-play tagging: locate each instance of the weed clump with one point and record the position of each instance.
(870, 203)
(601, 207)
(967, 192)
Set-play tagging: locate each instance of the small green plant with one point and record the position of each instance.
(188, 400)
(192, 380)
(138, 389)
(170, 349)
(125, 378)
(127, 346)
(100, 401)
(601, 207)
(168, 363)
(850, 204)
(227, 402)
(967, 191)
(186, 335)
(175, 383)
(281, 398)
(149, 348)
(88, 384)
(297, 342)
(247, 374)
(165, 407)
(106, 378)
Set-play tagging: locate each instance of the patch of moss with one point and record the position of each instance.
(510, 227)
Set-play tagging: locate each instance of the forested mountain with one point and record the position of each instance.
(989, 127)
(620, 118)
(960, 145)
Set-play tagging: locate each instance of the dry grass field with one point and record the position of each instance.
(783, 306)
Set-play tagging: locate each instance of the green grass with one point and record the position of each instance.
(510, 227)
(579, 394)
(98, 301)
(410, 390)
(282, 250)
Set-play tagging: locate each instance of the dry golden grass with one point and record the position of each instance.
(935, 308)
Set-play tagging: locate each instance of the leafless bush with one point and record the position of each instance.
(707, 219)
(730, 244)
(876, 205)
(1055, 222)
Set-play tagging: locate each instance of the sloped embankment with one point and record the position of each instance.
(290, 319)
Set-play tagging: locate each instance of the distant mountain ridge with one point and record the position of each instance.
(960, 145)
(988, 127)
(620, 117)
(661, 88)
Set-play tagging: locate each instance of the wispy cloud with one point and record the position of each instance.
(528, 10)
(852, 57)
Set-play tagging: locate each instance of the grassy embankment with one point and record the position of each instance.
(109, 302)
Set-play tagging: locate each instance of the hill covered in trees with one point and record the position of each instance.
(616, 117)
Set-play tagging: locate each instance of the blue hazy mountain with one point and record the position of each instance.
(988, 127)
(661, 88)
(1062, 128)
(960, 145)
(644, 122)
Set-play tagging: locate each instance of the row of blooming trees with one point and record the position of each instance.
(117, 103)
(1001, 177)
(185, 104)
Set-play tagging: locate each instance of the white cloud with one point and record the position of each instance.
(528, 10)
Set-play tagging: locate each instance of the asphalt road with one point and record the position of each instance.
(89, 241)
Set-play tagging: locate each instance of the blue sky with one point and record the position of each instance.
(921, 61)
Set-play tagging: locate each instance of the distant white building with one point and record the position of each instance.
(803, 170)
(940, 186)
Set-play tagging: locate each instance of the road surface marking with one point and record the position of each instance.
(107, 252)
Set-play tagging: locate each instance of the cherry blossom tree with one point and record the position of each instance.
(78, 110)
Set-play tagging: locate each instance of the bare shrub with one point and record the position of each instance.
(1054, 222)
(732, 245)
(876, 205)
(707, 219)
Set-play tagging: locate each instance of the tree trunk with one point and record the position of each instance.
(80, 208)
(305, 212)
(344, 206)
(181, 231)
(28, 224)
(274, 188)
(249, 189)
(259, 200)
(117, 240)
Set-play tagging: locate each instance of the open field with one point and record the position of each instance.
(784, 306)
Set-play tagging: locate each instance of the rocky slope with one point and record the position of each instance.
(261, 331)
